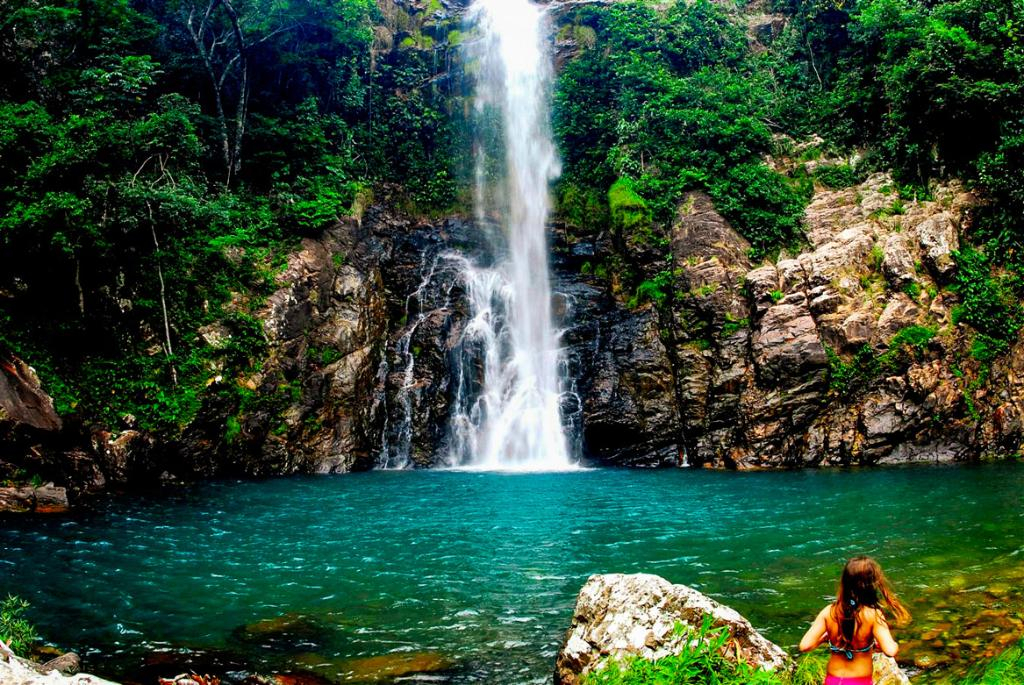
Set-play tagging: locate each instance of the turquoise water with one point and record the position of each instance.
(483, 568)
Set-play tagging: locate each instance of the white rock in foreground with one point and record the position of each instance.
(621, 616)
(17, 671)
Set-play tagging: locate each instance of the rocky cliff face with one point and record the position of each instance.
(801, 361)
(749, 365)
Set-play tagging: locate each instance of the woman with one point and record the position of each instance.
(854, 625)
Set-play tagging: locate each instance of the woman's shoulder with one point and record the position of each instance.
(872, 615)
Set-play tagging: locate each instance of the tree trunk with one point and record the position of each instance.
(163, 299)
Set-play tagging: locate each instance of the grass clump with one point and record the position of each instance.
(700, 662)
(654, 290)
(837, 176)
(629, 211)
(1005, 669)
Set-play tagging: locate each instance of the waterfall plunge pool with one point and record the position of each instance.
(475, 574)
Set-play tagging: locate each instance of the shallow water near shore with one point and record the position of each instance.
(474, 575)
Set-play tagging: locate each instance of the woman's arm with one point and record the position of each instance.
(883, 638)
(815, 635)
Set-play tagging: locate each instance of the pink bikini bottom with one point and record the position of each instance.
(836, 680)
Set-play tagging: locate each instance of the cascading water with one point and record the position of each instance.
(507, 411)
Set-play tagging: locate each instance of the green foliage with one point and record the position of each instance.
(629, 212)
(865, 366)
(907, 345)
(1005, 669)
(876, 257)
(656, 290)
(668, 99)
(766, 208)
(583, 207)
(700, 661)
(989, 301)
(776, 295)
(913, 290)
(905, 77)
(14, 627)
(732, 326)
(811, 669)
(837, 176)
(916, 337)
(1001, 175)
(232, 429)
(845, 377)
(121, 233)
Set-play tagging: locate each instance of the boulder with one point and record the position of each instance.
(125, 456)
(858, 329)
(938, 237)
(17, 671)
(886, 671)
(900, 312)
(67, 663)
(620, 616)
(760, 284)
(45, 499)
(897, 262)
(22, 399)
(786, 347)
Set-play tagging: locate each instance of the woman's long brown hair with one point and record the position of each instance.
(864, 585)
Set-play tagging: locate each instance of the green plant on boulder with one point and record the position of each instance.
(701, 661)
(14, 628)
(907, 345)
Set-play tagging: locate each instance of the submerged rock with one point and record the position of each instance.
(388, 667)
(290, 632)
(619, 616)
(384, 668)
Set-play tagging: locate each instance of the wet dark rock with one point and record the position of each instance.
(630, 416)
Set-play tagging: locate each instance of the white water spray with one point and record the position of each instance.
(507, 413)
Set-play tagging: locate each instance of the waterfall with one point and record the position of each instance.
(508, 390)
